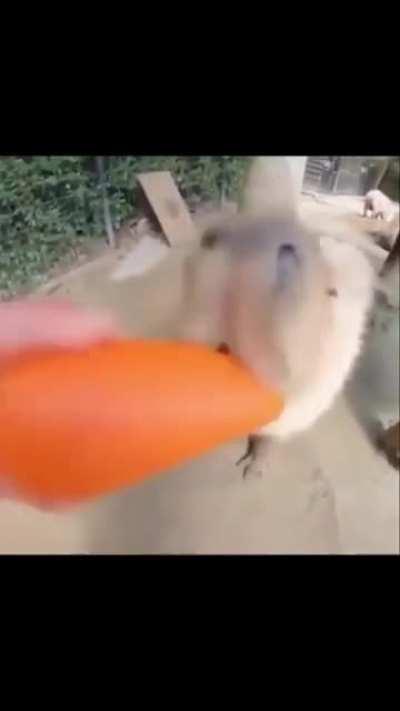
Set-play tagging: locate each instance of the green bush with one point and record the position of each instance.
(51, 205)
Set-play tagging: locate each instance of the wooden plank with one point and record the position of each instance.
(168, 206)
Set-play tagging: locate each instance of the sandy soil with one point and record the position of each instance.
(318, 495)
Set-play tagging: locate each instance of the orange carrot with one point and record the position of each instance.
(74, 425)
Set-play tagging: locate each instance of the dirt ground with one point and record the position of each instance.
(328, 491)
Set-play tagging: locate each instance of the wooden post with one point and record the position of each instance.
(298, 168)
(381, 173)
(106, 204)
(168, 206)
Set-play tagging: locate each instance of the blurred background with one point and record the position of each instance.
(52, 209)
